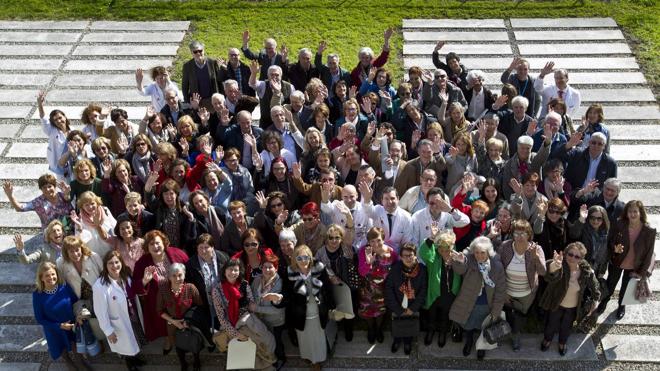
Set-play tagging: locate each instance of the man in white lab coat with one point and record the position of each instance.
(349, 196)
(395, 221)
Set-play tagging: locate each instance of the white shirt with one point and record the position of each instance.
(571, 97)
(477, 104)
(401, 224)
(421, 223)
(361, 222)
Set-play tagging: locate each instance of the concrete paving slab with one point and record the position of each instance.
(14, 112)
(20, 171)
(31, 50)
(634, 132)
(564, 49)
(623, 113)
(15, 305)
(639, 174)
(654, 222)
(2, 147)
(15, 273)
(569, 35)
(88, 95)
(649, 197)
(98, 80)
(617, 95)
(474, 63)
(360, 347)
(633, 348)
(9, 130)
(133, 37)
(562, 22)
(22, 338)
(18, 96)
(35, 132)
(7, 243)
(637, 152)
(74, 112)
(43, 25)
(461, 49)
(453, 23)
(139, 26)
(27, 150)
(115, 64)
(638, 315)
(39, 37)
(22, 193)
(136, 50)
(580, 348)
(30, 64)
(9, 366)
(586, 63)
(455, 36)
(9, 79)
(585, 78)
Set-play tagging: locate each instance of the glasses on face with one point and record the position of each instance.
(198, 51)
(575, 256)
(307, 219)
(279, 168)
(441, 77)
(554, 211)
(251, 244)
(302, 258)
(141, 144)
(233, 55)
(279, 204)
(596, 143)
(325, 180)
(596, 218)
(388, 133)
(519, 234)
(334, 238)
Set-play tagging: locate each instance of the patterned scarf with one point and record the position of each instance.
(484, 268)
(406, 287)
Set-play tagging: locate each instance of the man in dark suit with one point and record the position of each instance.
(200, 76)
(174, 109)
(301, 72)
(234, 136)
(332, 72)
(588, 164)
(590, 195)
(266, 57)
(237, 71)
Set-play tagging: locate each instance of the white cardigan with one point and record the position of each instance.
(91, 269)
(111, 309)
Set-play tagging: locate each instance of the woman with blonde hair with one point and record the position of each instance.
(94, 224)
(49, 250)
(85, 179)
(454, 121)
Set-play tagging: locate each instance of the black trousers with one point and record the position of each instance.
(613, 275)
(439, 314)
(559, 321)
(279, 344)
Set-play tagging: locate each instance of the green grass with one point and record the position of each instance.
(346, 25)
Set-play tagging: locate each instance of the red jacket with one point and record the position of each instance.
(457, 203)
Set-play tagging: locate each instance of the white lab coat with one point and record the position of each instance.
(401, 224)
(361, 221)
(111, 309)
(421, 223)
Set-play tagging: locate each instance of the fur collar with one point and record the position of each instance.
(298, 279)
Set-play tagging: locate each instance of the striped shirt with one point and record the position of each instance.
(517, 285)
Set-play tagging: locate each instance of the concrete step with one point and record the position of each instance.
(9, 130)
(16, 305)
(129, 50)
(140, 26)
(455, 36)
(30, 64)
(639, 174)
(460, 49)
(637, 315)
(124, 80)
(626, 113)
(90, 95)
(39, 37)
(634, 132)
(135, 111)
(617, 95)
(20, 171)
(11, 366)
(562, 22)
(28, 219)
(649, 197)
(453, 23)
(27, 150)
(22, 338)
(9, 79)
(31, 50)
(7, 243)
(500, 64)
(43, 25)
(115, 64)
(14, 112)
(572, 49)
(633, 348)
(569, 35)
(637, 152)
(134, 37)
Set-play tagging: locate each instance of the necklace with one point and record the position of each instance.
(51, 291)
(177, 291)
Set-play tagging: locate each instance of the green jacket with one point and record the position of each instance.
(434, 265)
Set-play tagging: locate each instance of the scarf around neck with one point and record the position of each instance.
(484, 268)
(232, 292)
(406, 287)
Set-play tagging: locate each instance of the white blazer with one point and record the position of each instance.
(571, 97)
(111, 309)
(421, 223)
(401, 224)
(361, 221)
(91, 269)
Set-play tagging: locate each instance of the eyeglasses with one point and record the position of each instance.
(234, 55)
(573, 255)
(441, 77)
(519, 234)
(325, 180)
(597, 218)
(307, 219)
(141, 144)
(334, 238)
(279, 204)
(554, 211)
(251, 244)
(279, 168)
(302, 258)
(198, 51)
(597, 143)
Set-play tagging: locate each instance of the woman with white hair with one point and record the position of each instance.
(479, 98)
(483, 290)
(522, 162)
(513, 121)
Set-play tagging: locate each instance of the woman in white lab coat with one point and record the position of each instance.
(116, 309)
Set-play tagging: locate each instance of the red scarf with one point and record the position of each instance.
(233, 295)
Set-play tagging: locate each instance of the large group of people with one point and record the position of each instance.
(437, 203)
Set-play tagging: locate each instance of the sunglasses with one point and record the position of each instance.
(302, 258)
(198, 51)
(554, 211)
(251, 244)
(519, 234)
(141, 144)
(334, 238)
(279, 204)
(573, 255)
(307, 219)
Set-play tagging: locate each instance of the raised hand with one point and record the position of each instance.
(96, 218)
(514, 64)
(495, 229)
(18, 242)
(558, 184)
(385, 96)
(158, 165)
(516, 187)
(388, 34)
(468, 182)
(531, 128)
(547, 69)
(250, 140)
(542, 207)
(416, 136)
(591, 186)
(284, 51)
(261, 200)
(246, 37)
(254, 67)
(557, 259)
(352, 92)
(427, 76)
(149, 274)
(122, 143)
(439, 45)
(75, 219)
(371, 128)
(187, 213)
(8, 188)
(366, 105)
(195, 98)
(282, 217)
(366, 191)
(219, 153)
(372, 74)
(575, 139)
(150, 111)
(453, 151)
(276, 86)
(457, 256)
(139, 76)
(185, 146)
(584, 212)
(152, 181)
(64, 187)
(296, 170)
(501, 100)
(106, 166)
(481, 127)
(322, 46)
(204, 115)
(41, 97)
(435, 229)
(368, 254)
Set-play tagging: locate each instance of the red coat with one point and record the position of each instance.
(457, 203)
(154, 325)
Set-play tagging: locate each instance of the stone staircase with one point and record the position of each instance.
(80, 61)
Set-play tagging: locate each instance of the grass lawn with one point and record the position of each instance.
(345, 24)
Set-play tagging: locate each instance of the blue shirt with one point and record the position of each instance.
(593, 166)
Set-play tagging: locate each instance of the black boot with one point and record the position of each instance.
(182, 359)
(428, 339)
(348, 329)
(442, 339)
(197, 363)
(620, 312)
(469, 341)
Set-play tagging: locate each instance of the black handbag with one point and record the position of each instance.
(497, 331)
(405, 326)
(190, 339)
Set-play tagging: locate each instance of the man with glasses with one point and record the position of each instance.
(237, 71)
(455, 70)
(413, 170)
(589, 164)
(414, 199)
(242, 137)
(438, 213)
(301, 72)
(201, 75)
(551, 126)
(331, 73)
(560, 89)
(591, 195)
(524, 83)
(267, 57)
(314, 191)
(440, 92)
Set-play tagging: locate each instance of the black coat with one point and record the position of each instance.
(295, 289)
(195, 275)
(394, 296)
(558, 285)
(228, 73)
(578, 166)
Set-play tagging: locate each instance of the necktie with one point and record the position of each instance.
(561, 94)
(389, 222)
